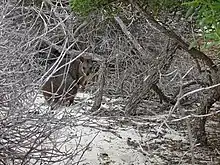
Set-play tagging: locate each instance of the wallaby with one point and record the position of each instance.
(63, 85)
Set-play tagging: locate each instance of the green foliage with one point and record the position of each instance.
(84, 7)
(207, 13)
(158, 6)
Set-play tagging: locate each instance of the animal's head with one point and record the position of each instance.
(85, 66)
(86, 70)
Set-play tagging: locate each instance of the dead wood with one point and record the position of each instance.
(196, 54)
(99, 94)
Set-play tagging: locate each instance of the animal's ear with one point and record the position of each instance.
(82, 59)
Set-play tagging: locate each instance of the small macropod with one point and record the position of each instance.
(62, 86)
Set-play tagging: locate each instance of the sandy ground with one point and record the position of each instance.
(105, 142)
(104, 148)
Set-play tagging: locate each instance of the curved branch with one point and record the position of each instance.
(195, 53)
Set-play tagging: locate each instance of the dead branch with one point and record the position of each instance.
(195, 53)
(99, 94)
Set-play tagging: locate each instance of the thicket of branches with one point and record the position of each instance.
(143, 60)
(29, 132)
